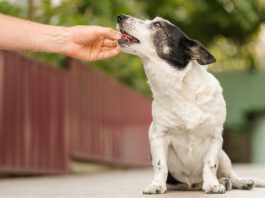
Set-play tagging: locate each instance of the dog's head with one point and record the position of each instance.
(159, 37)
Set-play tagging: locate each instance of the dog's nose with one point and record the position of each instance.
(121, 18)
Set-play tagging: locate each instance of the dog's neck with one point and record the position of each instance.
(166, 81)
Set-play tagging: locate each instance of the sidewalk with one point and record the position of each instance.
(111, 184)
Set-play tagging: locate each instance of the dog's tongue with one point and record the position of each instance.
(125, 36)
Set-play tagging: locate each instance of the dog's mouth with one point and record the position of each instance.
(127, 38)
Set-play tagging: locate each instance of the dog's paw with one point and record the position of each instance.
(246, 184)
(155, 189)
(214, 189)
(226, 182)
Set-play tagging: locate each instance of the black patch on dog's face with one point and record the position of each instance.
(173, 46)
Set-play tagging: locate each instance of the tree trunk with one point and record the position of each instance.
(30, 9)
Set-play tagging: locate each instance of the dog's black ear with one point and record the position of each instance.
(198, 52)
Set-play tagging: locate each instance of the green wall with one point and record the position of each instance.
(258, 142)
(244, 92)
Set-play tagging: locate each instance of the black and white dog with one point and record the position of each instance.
(188, 109)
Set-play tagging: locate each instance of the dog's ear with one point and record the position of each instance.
(198, 52)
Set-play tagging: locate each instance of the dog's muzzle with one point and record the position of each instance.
(126, 38)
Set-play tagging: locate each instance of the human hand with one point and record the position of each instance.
(91, 43)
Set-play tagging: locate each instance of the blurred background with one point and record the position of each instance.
(56, 112)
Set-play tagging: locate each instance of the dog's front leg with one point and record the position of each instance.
(210, 181)
(159, 143)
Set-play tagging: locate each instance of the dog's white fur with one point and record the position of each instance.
(188, 115)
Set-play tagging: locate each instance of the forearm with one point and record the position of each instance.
(18, 34)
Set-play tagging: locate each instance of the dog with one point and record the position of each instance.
(188, 109)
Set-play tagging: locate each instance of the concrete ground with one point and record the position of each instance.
(110, 184)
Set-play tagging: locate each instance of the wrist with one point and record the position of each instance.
(55, 40)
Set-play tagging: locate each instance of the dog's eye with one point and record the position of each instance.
(157, 24)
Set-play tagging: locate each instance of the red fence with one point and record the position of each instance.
(48, 116)
(108, 121)
(32, 137)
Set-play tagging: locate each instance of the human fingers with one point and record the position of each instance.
(107, 53)
(108, 33)
(109, 43)
(107, 48)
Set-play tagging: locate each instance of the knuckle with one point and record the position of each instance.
(110, 30)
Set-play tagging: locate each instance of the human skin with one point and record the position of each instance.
(88, 43)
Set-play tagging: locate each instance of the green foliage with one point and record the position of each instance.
(7, 8)
(204, 19)
(227, 27)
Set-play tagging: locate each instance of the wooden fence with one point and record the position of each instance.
(49, 116)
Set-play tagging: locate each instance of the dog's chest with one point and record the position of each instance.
(186, 154)
(189, 144)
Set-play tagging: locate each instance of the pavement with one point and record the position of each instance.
(111, 184)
